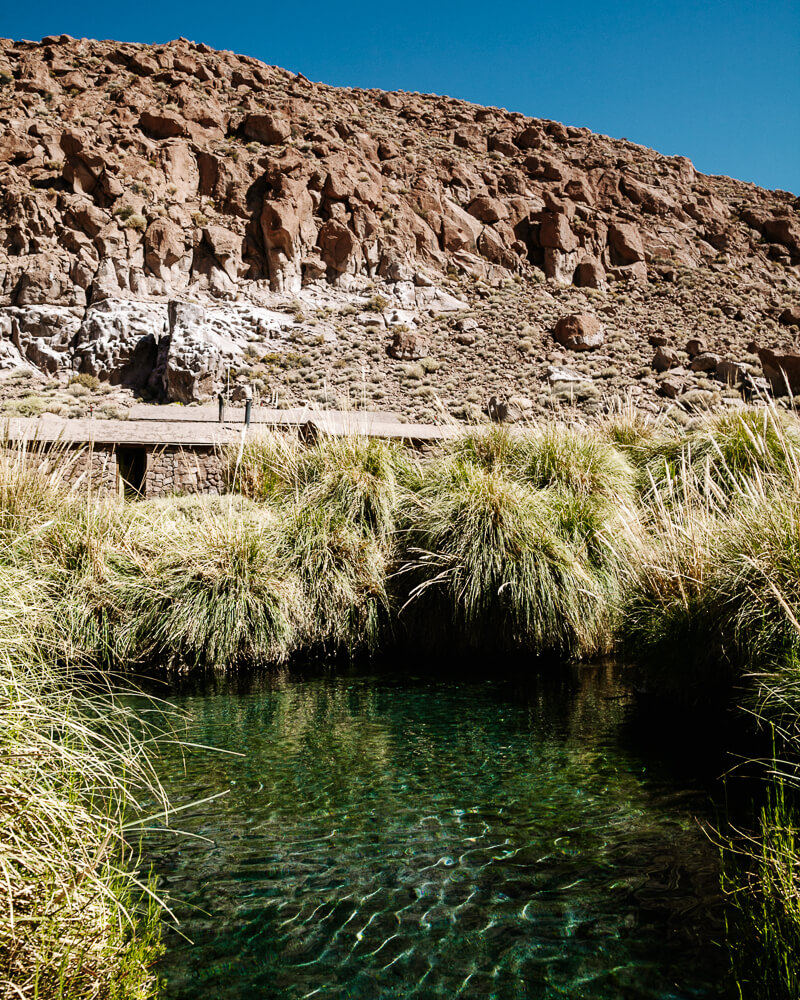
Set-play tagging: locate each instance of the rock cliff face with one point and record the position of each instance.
(172, 216)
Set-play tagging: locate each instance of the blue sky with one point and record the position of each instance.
(716, 81)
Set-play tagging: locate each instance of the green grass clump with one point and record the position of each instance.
(713, 591)
(218, 597)
(723, 452)
(353, 477)
(505, 545)
(30, 495)
(671, 623)
(761, 876)
(579, 461)
(756, 582)
(342, 573)
(335, 506)
(489, 562)
(72, 924)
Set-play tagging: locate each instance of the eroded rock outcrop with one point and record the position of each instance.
(135, 178)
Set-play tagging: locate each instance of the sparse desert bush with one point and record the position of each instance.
(136, 221)
(29, 406)
(91, 382)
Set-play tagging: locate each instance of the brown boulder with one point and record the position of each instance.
(579, 332)
(671, 386)
(164, 245)
(706, 362)
(590, 273)
(34, 77)
(782, 371)
(625, 242)
(501, 142)
(163, 125)
(205, 111)
(547, 167)
(407, 345)
(226, 246)
(143, 65)
(339, 246)
(730, 372)
(785, 231)
(313, 269)
(666, 358)
(470, 137)
(529, 138)
(695, 346)
(269, 129)
(460, 230)
(14, 149)
(486, 209)
(556, 233)
(341, 180)
(84, 216)
(630, 272)
(83, 166)
(501, 411)
(790, 316)
(388, 150)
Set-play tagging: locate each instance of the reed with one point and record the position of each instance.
(72, 924)
(761, 877)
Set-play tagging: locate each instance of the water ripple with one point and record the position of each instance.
(431, 840)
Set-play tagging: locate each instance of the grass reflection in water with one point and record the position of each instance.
(396, 837)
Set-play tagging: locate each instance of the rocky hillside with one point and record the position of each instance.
(175, 218)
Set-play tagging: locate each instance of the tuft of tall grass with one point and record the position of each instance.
(572, 457)
(218, 596)
(72, 925)
(342, 572)
(335, 504)
(671, 623)
(353, 477)
(578, 460)
(723, 452)
(503, 548)
(713, 593)
(630, 430)
(713, 613)
(761, 878)
(756, 581)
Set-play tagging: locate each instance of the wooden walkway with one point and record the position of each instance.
(199, 427)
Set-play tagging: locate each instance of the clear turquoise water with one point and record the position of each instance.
(405, 837)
